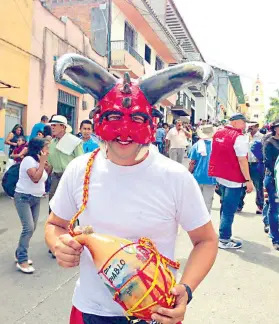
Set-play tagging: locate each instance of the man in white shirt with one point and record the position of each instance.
(126, 195)
(177, 141)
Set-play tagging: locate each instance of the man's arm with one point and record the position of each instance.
(204, 253)
(244, 166)
(187, 133)
(66, 249)
(198, 265)
(241, 148)
(192, 165)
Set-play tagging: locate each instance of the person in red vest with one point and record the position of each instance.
(229, 164)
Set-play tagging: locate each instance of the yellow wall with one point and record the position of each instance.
(15, 26)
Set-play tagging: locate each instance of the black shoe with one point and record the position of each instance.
(266, 229)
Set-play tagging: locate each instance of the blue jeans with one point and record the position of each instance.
(273, 209)
(257, 177)
(230, 199)
(28, 209)
(265, 211)
(160, 146)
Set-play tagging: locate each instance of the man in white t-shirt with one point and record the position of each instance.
(133, 192)
(229, 164)
(177, 141)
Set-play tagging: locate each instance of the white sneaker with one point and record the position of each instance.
(28, 269)
(30, 262)
(231, 244)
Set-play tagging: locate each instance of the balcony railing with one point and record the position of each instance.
(181, 99)
(122, 45)
(183, 104)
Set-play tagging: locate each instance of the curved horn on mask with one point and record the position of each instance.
(89, 75)
(171, 80)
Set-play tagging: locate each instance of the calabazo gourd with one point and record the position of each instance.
(136, 274)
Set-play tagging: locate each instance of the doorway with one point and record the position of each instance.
(13, 116)
(66, 106)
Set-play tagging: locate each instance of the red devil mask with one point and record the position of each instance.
(125, 107)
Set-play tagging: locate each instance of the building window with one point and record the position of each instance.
(256, 116)
(130, 36)
(159, 64)
(256, 99)
(147, 55)
(257, 88)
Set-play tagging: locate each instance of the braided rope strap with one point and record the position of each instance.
(85, 191)
(148, 244)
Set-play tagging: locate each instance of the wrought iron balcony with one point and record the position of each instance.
(183, 104)
(122, 45)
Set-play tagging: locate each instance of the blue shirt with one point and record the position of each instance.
(39, 127)
(160, 135)
(202, 163)
(90, 146)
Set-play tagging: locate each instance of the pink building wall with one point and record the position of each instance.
(53, 37)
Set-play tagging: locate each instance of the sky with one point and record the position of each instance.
(240, 36)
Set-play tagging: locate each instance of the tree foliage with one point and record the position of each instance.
(273, 112)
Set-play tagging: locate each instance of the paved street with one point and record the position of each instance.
(242, 287)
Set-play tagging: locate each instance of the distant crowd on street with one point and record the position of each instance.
(229, 158)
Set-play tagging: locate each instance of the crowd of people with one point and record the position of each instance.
(40, 164)
(230, 159)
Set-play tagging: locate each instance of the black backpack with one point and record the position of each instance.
(10, 179)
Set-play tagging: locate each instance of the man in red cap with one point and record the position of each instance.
(127, 195)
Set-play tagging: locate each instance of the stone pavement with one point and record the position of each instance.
(242, 288)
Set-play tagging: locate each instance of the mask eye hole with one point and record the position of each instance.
(113, 117)
(138, 119)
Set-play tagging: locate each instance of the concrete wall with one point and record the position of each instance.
(15, 44)
(221, 78)
(232, 101)
(54, 38)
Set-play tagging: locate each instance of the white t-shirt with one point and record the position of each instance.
(25, 184)
(241, 148)
(177, 139)
(149, 200)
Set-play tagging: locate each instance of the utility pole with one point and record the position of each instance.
(109, 33)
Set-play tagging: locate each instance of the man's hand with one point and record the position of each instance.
(176, 314)
(67, 251)
(249, 186)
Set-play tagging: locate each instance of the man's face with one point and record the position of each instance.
(253, 129)
(86, 131)
(124, 149)
(179, 125)
(239, 124)
(57, 129)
